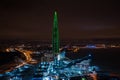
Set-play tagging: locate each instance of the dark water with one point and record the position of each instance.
(105, 59)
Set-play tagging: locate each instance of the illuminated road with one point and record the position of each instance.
(28, 57)
(26, 53)
(20, 63)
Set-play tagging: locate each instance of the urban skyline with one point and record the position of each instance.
(56, 59)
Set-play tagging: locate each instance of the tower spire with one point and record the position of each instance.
(55, 35)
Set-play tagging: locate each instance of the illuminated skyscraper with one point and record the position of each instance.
(55, 35)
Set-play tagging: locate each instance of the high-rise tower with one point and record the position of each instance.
(55, 36)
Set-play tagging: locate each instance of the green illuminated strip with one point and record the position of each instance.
(55, 35)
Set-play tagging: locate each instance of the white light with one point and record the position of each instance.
(46, 78)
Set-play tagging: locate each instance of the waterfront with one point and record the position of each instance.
(90, 59)
(106, 59)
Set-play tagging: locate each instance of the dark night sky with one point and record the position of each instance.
(78, 19)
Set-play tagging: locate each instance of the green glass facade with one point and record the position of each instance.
(55, 35)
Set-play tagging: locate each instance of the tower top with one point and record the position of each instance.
(55, 19)
(55, 12)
